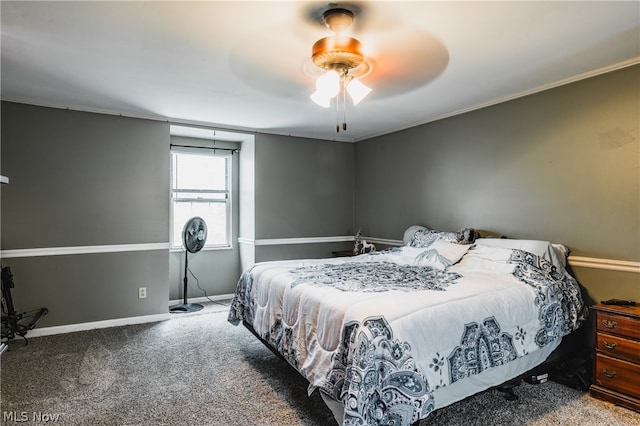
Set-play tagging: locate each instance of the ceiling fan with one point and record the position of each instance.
(400, 55)
(399, 58)
(340, 55)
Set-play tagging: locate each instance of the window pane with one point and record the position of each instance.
(197, 171)
(214, 215)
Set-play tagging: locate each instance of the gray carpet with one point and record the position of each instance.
(197, 369)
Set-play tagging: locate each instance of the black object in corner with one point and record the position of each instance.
(13, 323)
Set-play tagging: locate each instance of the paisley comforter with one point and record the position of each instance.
(381, 333)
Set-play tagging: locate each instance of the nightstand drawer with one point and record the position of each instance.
(618, 375)
(618, 347)
(618, 324)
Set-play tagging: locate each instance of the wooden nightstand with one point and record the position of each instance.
(617, 358)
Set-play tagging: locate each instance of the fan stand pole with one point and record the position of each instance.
(185, 307)
(184, 280)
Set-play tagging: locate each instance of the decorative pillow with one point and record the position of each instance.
(409, 233)
(467, 235)
(421, 236)
(554, 253)
(426, 237)
(439, 255)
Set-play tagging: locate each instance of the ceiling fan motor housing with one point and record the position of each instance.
(338, 19)
(337, 52)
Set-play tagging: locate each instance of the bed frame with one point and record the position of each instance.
(569, 364)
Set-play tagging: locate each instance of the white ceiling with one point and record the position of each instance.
(246, 65)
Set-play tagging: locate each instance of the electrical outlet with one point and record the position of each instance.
(142, 292)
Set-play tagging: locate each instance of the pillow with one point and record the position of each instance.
(439, 255)
(421, 236)
(426, 237)
(554, 253)
(467, 235)
(409, 233)
(486, 259)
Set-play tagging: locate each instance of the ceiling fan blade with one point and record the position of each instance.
(398, 59)
(398, 66)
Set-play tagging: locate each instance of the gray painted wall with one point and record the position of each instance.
(84, 179)
(91, 179)
(91, 287)
(216, 273)
(303, 188)
(561, 165)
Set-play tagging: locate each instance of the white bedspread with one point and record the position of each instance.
(379, 334)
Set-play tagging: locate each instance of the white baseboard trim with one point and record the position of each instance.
(203, 299)
(70, 328)
(62, 251)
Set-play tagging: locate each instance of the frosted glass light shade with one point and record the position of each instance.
(328, 84)
(320, 99)
(357, 90)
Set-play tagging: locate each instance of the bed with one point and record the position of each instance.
(388, 337)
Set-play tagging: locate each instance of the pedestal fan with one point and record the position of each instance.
(194, 235)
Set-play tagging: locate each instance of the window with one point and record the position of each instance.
(200, 186)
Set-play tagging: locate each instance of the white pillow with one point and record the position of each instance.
(554, 253)
(439, 255)
(486, 259)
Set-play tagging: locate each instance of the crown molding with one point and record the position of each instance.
(513, 96)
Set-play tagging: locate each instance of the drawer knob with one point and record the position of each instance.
(609, 323)
(608, 345)
(609, 374)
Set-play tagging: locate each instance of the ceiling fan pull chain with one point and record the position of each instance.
(337, 114)
(344, 102)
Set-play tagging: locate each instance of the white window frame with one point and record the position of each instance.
(225, 153)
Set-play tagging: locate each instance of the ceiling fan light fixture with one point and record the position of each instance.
(320, 99)
(338, 55)
(357, 90)
(328, 84)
